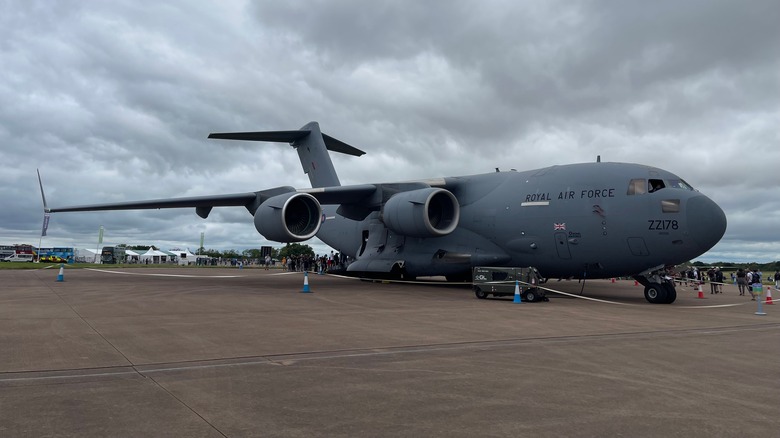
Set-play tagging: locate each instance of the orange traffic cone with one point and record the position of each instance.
(769, 295)
(701, 292)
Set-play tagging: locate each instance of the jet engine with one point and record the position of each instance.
(290, 217)
(430, 212)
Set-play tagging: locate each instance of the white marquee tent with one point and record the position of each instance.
(154, 256)
(184, 256)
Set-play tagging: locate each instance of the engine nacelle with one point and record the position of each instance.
(290, 217)
(430, 212)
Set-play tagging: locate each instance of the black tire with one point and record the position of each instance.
(481, 294)
(545, 299)
(531, 296)
(671, 293)
(656, 294)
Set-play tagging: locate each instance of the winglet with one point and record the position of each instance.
(45, 206)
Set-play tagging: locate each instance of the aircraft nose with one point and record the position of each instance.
(706, 221)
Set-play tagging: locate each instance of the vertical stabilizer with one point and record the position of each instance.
(312, 146)
(314, 157)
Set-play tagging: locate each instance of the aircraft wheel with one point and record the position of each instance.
(671, 293)
(655, 293)
(399, 273)
(531, 296)
(545, 299)
(481, 294)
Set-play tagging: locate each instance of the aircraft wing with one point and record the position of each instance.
(202, 204)
(325, 195)
(237, 199)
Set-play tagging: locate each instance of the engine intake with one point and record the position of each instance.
(290, 217)
(430, 212)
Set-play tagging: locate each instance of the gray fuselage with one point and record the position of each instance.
(594, 220)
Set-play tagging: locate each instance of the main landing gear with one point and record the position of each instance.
(658, 289)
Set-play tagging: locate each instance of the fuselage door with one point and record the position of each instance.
(637, 246)
(562, 246)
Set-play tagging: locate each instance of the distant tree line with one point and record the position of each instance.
(771, 266)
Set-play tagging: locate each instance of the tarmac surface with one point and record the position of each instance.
(240, 353)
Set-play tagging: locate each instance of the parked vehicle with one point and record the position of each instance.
(19, 257)
(500, 281)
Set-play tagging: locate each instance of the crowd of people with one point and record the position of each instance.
(323, 263)
(749, 281)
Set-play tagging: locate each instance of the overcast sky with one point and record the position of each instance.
(113, 100)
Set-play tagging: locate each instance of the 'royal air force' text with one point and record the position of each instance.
(571, 194)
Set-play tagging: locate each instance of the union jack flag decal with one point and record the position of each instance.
(559, 227)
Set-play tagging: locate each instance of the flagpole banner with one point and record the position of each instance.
(45, 224)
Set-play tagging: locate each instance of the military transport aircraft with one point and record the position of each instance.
(588, 220)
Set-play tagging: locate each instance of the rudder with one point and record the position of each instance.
(314, 157)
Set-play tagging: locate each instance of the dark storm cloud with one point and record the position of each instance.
(113, 101)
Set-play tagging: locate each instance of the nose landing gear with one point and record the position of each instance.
(658, 289)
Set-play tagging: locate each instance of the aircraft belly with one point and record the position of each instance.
(385, 251)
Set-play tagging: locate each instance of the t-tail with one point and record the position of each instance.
(312, 146)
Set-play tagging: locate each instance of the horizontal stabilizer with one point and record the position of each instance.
(278, 136)
(331, 143)
(339, 146)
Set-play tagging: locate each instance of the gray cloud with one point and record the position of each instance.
(113, 101)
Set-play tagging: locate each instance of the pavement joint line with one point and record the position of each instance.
(84, 320)
(147, 370)
(183, 403)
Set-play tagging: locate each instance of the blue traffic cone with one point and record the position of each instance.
(61, 275)
(305, 282)
(518, 298)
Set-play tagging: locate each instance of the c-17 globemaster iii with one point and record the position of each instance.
(587, 220)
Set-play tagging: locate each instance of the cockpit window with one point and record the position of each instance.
(637, 186)
(680, 184)
(670, 206)
(654, 185)
(640, 186)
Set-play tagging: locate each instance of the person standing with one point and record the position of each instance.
(755, 282)
(741, 281)
(718, 281)
(777, 279)
(711, 278)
